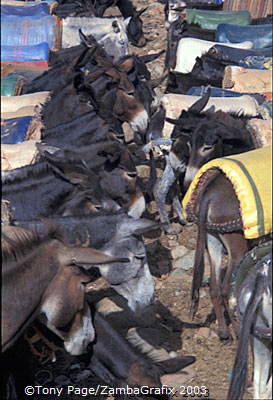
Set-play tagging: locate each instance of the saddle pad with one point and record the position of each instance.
(209, 19)
(251, 176)
(18, 155)
(27, 32)
(190, 48)
(32, 12)
(14, 103)
(14, 130)
(247, 80)
(174, 104)
(257, 62)
(218, 92)
(12, 85)
(259, 35)
(257, 9)
(34, 53)
(109, 32)
(261, 131)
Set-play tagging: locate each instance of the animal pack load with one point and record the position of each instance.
(12, 85)
(176, 103)
(18, 155)
(208, 19)
(109, 32)
(33, 53)
(29, 32)
(251, 184)
(14, 130)
(247, 80)
(189, 48)
(32, 12)
(259, 35)
(257, 9)
(261, 130)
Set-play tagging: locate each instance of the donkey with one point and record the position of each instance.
(198, 137)
(253, 293)
(44, 276)
(216, 210)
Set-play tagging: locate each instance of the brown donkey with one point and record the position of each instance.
(43, 276)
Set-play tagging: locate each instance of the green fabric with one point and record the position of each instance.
(211, 19)
(9, 85)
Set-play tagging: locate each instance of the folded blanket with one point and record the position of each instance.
(14, 103)
(218, 92)
(32, 12)
(247, 80)
(261, 131)
(259, 35)
(251, 176)
(209, 19)
(37, 52)
(12, 85)
(175, 103)
(18, 155)
(27, 32)
(14, 130)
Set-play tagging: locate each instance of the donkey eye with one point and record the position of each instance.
(207, 148)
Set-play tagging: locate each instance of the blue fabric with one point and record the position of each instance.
(236, 55)
(35, 11)
(218, 92)
(38, 52)
(14, 130)
(259, 35)
(26, 32)
(255, 62)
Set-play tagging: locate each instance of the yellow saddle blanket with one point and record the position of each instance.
(251, 176)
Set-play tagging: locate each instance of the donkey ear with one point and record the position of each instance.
(200, 104)
(127, 65)
(140, 12)
(172, 121)
(173, 365)
(46, 150)
(127, 21)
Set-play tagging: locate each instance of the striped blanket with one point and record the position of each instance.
(251, 176)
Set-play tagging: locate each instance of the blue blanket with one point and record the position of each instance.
(218, 92)
(38, 52)
(259, 35)
(27, 32)
(235, 55)
(14, 130)
(32, 12)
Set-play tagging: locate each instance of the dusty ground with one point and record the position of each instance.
(214, 359)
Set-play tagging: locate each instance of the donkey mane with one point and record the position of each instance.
(28, 171)
(19, 242)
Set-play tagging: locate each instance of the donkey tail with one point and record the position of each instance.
(198, 267)
(238, 379)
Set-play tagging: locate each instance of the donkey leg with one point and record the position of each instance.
(215, 252)
(160, 191)
(178, 209)
(236, 246)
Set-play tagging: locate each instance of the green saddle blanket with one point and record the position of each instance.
(211, 19)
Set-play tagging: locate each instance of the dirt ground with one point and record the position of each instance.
(214, 359)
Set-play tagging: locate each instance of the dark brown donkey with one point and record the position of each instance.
(42, 276)
(216, 210)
